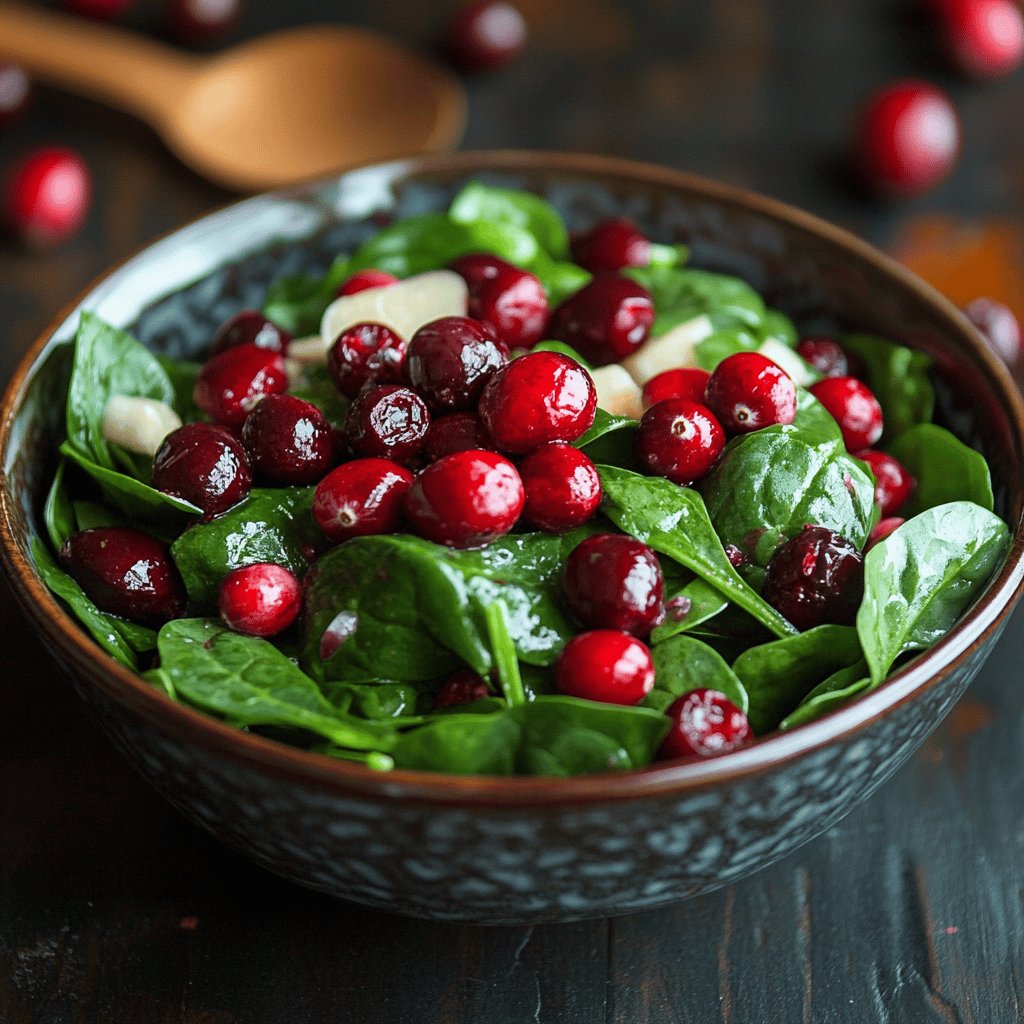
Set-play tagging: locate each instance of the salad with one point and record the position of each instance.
(489, 499)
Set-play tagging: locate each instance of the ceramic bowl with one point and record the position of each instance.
(522, 849)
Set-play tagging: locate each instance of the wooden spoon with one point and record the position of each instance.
(270, 112)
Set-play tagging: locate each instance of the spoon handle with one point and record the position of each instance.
(121, 69)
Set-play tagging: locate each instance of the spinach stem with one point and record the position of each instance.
(503, 650)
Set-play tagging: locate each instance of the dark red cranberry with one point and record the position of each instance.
(360, 498)
(908, 138)
(605, 320)
(514, 304)
(362, 280)
(607, 666)
(679, 439)
(683, 383)
(101, 10)
(704, 723)
(613, 244)
(735, 556)
(456, 432)
(15, 90)
(612, 581)
(853, 407)
(365, 354)
(46, 196)
(824, 355)
(485, 35)
(748, 392)
(984, 38)
(199, 21)
(125, 572)
(882, 530)
(540, 397)
(466, 500)
(387, 421)
(816, 577)
(204, 464)
(260, 600)
(288, 441)
(451, 360)
(250, 327)
(231, 383)
(464, 687)
(563, 489)
(893, 482)
(477, 268)
(998, 326)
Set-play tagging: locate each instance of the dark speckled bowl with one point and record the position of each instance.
(516, 850)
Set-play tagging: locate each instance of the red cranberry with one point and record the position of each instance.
(477, 268)
(451, 360)
(231, 383)
(263, 599)
(607, 666)
(563, 489)
(360, 498)
(46, 196)
(363, 354)
(605, 320)
(514, 304)
(735, 556)
(125, 572)
(540, 397)
(893, 483)
(679, 439)
(815, 577)
(288, 441)
(250, 327)
(612, 581)
(361, 280)
(748, 392)
(614, 244)
(464, 687)
(984, 38)
(824, 355)
(199, 21)
(908, 138)
(15, 90)
(853, 407)
(456, 432)
(101, 10)
(683, 383)
(466, 500)
(704, 723)
(998, 326)
(883, 530)
(485, 35)
(204, 464)
(387, 421)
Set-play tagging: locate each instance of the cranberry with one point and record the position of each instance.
(998, 326)
(360, 498)
(815, 577)
(463, 687)
(365, 353)
(514, 304)
(748, 392)
(125, 572)
(736, 557)
(605, 320)
(540, 397)
(198, 21)
(263, 599)
(387, 421)
(704, 723)
(984, 38)
(613, 244)
(203, 464)
(288, 441)
(908, 138)
(456, 432)
(612, 581)
(683, 383)
(451, 360)
(893, 482)
(679, 439)
(46, 196)
(15, 90)
(250, 327)
(101, 10)
(853, 407)
(607, 666)
(824, 355)
(231, 383)
(883, 530)
(563, 489)
(485, 35)
(477, 268)
(361, 280)
(466, 500)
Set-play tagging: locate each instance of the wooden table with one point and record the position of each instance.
(114, 910)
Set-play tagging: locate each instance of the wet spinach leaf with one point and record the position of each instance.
(840, 688)
(383, 699)
(478, 202)
(59, 512)
(683, 664)
(703, 603)
(684, 293)
(461, 744)
(724, 343)
(298, 303)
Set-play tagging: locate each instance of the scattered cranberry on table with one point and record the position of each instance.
(853, 407)
(998, 326)
(387, 421)
(485, 35)
(362, 280)
(883, 529)
(204, 464)
(464, 687)
(514, 304)
(563, 488)
(250, 327)
(101, 10)
(366, 353)
(607, 666)
(610, 245)
(200, 21)
(704, 723)
(748, 392)
(679, 439)
(263, 599)
(231, 383)
(893, 481)
(983, 38)
(46, 196)
(361, 498)
(687, 382)
(456, 432)
(288, 441)
(15, 90)
(824, 355)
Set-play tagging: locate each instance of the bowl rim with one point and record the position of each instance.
(123, 686)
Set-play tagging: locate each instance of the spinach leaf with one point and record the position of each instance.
(683, 664)
(704, 603)
(384, 699)
(566, 350)
(297, 303)
(779, 326)
(921, 578)
(503, 653)
(724, 343)
(604, 423)
(684, 293)
(91, 514)
(479, 202)
(559, 278)
(461, 744)
(58, 512)
(839, 689)
(183, 374)
(668, 255)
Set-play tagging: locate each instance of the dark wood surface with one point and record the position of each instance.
(114, 910)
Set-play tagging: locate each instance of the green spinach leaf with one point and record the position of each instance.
(183, 375)
(683, 293)
(838, 689)
(59, 512)
(683, 664)
(478, 202)
(704, 603)
(298, 303)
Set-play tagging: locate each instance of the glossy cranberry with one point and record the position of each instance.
(204, 464)
(704, 723)
(893, 482)
(853, 407)
(360, 498)
(748, 392)
(612, 581)
(46, 196)
(366, 354)
(288, 441)
(563, 489)
(687, 382)
(998, 326)
(607, 666)
(824, 355)
(464, 687)
(451, 360)
(679, 439)
(15, 90)
(477, 268)
(263, 599)
(735, 556)
(816, 577)
(540, 397)
(908, 138)
(362, 280)
(101, 10)
(882, 530)
(125, 572)
(606, 320)
(514, 304)
(984, 38)
(387, 421)
(231, 383)
(485, 35)
(199, 21)
(466, 500)
(613, 244)
(250, 327)
(456, 432)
